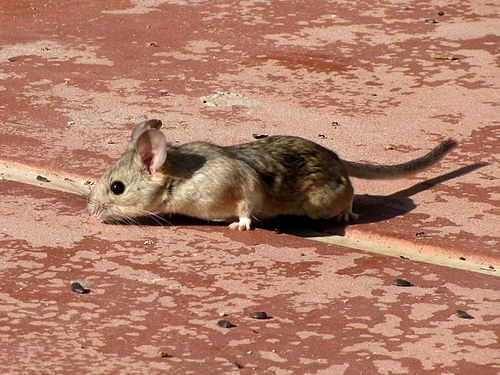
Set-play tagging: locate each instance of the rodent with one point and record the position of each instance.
(276, 175)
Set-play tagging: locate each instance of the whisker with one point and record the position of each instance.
(158, 219)
(133, 224)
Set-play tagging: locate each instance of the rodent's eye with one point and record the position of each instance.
(117, 187)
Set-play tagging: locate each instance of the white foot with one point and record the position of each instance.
(345, 217)
(243, 224)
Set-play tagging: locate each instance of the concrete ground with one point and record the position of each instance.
(379, 82)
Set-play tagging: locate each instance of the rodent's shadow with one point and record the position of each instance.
(372, 208)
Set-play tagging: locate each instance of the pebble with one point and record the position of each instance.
(443, 56)
(43, 179)
(402, 282)
(431, 20)
(225, 323)
(259, 315)
(259, 136)
(464, 315)
(78, 288)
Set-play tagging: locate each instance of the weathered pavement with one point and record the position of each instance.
(367, 80)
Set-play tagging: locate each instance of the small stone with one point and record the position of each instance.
(440, 13)
(259, 315)
(335, 123)
(249, 352)
(71, 123)
(431, 20)
(153, 44)
(225, 323)
(462, 258)
(222, 314)
(443, 56)
(464, 315)
(78, 288)
(322, 136)
(388, 147)
(161, 354)
(404, 7)
(110, 142)
(149, 242)
(42, 179)
(238, 365)
(402, 282)
(176, 286)
(259, 136)
(164, 93)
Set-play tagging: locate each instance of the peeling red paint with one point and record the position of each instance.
(355, 77)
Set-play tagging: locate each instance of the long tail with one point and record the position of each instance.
(381, 172)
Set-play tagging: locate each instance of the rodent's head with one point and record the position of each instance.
(133, 185)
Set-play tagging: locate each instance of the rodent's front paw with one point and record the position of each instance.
(243, 224)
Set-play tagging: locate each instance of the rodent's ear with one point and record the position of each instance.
(142, 127)
(151, 149)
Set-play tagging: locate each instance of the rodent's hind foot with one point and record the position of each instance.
(346, 217)
(243, 224)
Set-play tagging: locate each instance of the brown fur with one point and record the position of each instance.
(268, 177)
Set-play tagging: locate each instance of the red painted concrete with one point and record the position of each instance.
(353, 76)
(334, 310)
